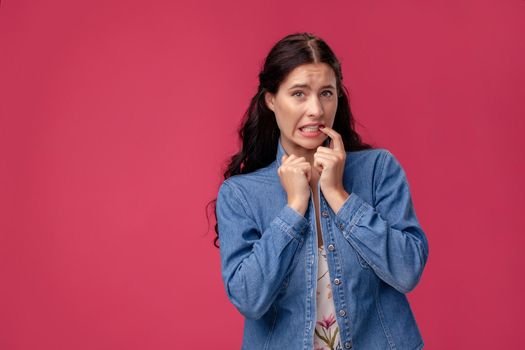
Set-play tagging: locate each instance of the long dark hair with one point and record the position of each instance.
(259, 132)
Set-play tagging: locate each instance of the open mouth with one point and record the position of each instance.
(310, 128)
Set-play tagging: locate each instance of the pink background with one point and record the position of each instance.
(117, 117)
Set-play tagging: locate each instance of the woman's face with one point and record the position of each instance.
(307, 96)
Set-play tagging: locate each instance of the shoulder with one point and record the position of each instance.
(379, 157)
(373, 168)
(230, 198)
(261, 178)
(368, 161)
(386, 169)
(245, 186)
(366, 155)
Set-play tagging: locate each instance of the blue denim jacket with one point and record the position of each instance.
(376, 248)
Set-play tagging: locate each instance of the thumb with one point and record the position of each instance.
(318, 166)
(283, 158)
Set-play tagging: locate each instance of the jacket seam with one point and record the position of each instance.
(240, 199)
(381, 319)
(270, 333)
(419, 346)
(381, 172)
(420, 252)
(288, 229)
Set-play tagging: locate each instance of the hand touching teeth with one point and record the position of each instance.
(295, 173)
(330, 162)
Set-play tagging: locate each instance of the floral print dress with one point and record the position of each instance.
(326, 335)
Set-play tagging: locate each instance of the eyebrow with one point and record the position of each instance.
(329, 86)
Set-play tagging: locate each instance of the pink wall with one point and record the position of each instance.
(116, 117)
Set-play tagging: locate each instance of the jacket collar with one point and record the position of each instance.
(280, 152)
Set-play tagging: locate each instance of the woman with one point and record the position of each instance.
(319, 240)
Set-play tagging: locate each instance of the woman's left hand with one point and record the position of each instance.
(330, 162)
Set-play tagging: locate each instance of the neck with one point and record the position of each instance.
(308, 154)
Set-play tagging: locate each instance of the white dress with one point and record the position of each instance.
(326, 334)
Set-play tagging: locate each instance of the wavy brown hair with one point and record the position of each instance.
(259, 133)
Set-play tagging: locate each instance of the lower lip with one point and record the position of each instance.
(310, 134)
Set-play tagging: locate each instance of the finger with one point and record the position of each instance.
(324, 160)
(288, 158)
(322, 149)
(304, 169)
(336, 142)
(308, 172)
(318, 164)
(296, 161)
(328, 156)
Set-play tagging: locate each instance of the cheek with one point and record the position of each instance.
(333, 109)
(283, 121)
(286, 124)
(332, 105)
(288, 117)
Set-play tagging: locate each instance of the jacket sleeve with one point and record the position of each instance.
(388, 236)
(254, 263)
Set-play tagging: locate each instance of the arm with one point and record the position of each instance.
(389, 236)
(254, 265)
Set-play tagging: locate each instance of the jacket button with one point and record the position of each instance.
(341, 226)
(331, 247)
(342, 313)
(348, 344)
(337, 281)
(324, 213)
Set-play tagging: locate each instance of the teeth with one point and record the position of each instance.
(310, 128)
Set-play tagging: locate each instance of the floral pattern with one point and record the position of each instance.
(326, 330)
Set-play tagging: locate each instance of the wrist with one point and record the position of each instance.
(336, 199)
(298, 206)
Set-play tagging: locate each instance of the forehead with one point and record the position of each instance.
(312, 74)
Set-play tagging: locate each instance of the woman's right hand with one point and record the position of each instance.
(295, 173)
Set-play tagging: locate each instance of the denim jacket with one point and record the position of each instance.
(375, 247)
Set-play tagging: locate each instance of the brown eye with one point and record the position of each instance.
(297, 92)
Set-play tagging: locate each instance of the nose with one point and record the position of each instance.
(315, 107)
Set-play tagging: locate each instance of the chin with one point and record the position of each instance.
(311, 144)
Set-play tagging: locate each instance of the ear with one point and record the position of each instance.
(268, 98)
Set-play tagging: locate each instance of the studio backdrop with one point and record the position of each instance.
(117, 119)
